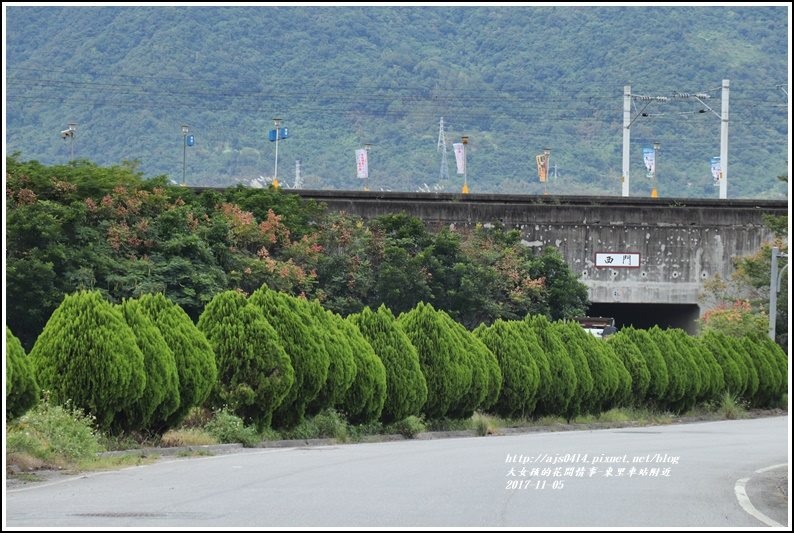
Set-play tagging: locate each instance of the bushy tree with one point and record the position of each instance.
(570, 334)
(778, 358)
(304, 347)
(195, 360)
(523, 330)
(520, 374)
(677, 378)
(654, 361)
(87, 354)
(254, 371)
(622, 396)
(160, 398)
(406, 387)
(634, 363)
(22, 390)
(733, 374)
(475, 356)
(367, 395)
(563, 374)
(448, 377)
(604, 373)
(342, 365)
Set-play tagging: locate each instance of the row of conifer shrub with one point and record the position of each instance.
(274, 359)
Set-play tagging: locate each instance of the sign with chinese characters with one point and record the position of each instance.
(617, 260)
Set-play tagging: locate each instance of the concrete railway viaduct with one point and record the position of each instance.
(644, 260)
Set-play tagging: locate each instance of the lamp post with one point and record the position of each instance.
(656, 145)
(465, 140)
(774, 288)
(277, 122)
(185, 131)
(366, 179)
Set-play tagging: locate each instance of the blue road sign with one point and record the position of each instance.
(190, 140)
(283, 133)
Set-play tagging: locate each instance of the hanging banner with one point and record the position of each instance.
(543, 166)
(459, 157)
(362, 168)
(650, 160)
(716, 170)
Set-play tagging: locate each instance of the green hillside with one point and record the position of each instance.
(514, 79)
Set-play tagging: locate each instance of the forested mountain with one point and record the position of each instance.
(514, 79)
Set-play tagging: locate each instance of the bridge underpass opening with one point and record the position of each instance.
(645, 316)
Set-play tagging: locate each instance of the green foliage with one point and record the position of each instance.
(603, 371)
(476, 356)
(301, 341)
(654, 361)
(254, 371)
(87, 354)
(519, 371)
(564, 382)
(734, 371)
(193, 355)
(406, 387)
(230, 428)
(365, 399)
(413, 65)
(22, 390)
(408, 427)
(54, 433)
(447, 374)
(573, 338)
(678, 379)
(631, 357)
(700, 366)
(160, 398)
(622, 394)
(778, 358)
(342, 367)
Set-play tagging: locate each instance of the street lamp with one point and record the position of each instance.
(185, 131)
(69, 132)
(774, 288)
(277, 122)
(656, 146)
(465, 140)
(366, 179)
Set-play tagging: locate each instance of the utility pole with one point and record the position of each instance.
(724, 141)
(275, 171)
(442, 147)
(626, 138)
(774, 288)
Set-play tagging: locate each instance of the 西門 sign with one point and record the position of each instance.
(617, 260)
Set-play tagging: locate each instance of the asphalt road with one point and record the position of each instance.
(664, 476)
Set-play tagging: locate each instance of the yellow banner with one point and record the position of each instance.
(542, 166)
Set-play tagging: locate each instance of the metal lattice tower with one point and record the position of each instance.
(298, 179)
(442, 147)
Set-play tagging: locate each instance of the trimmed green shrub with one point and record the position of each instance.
(654, 361)
(447, 374)
(304, 347)
(563, 374)
(622, 396)
(493, 373)
(367, 395)
(254, 371)
(474, 355)
(406, 387)
(160, 398)
(195, 360)
(342, 365)
(732, 372)
(778, 358)
(603, 371)
(571, 336)
(631, 357)
(677, 378)
(520, 374)
(695, 367)
(751, 389)
(767, 378)
(22, 391)
(524, 331)
(87, 354)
